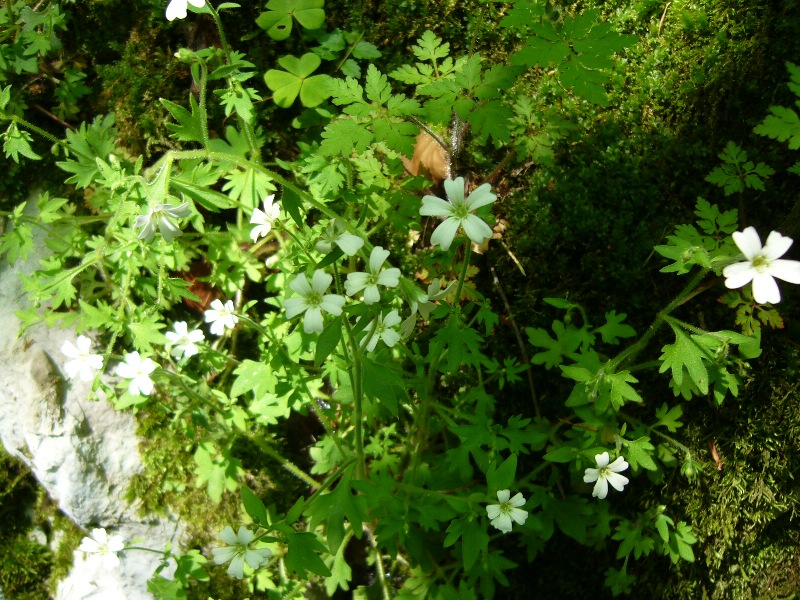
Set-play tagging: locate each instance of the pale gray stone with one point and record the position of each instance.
(82, 452)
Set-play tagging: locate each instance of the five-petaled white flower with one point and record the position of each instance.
(176, 9)
(508, 509)
(104, 547)
(606, 473)
(335, 233)
(458, 212)
(138, 370)
(762, 266)
(82, 362)
(158, 216)
(383, 331)
(221, 317)
(313, 300)
(238, 551)
(369, 281)
(263, 219)
(183, 341)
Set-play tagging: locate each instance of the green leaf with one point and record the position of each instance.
(302, 554)
(254, 507)
(277, 21)
(782, 125)
(564, 454)
(189, 127)
(296, 81)
(146, 333)
(614, 328)
(341, 573)
(682, 357)
(567, 341)
(502, 477)
(17, 141)
(328, 340)
(252, 376)
(335, 508)
(639, 453)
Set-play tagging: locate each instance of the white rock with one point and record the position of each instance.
(83, 452)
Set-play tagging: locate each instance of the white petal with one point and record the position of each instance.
(176, 10)
(601, 460)
(454, 188)
(391, 319)
(617, 481)
(481, 196)
(377, 258)
(390, 337)
(503, 523)
(748, 242)
(765, 289)
(738, 275)
(600, 488)
(320, 281)
(502, 495)
(591, 475)
(476, 228)
(332, 303)
(200, 4)
(777, 245)
(294, 306)
(228, 536)
(389, 277)
(223, 555)
(349, 244)
(435, 207)
(493, 510)
(300, 285)
(618, 465)
(371, 294)
(355, 283)
(787, 270)
(517, 500)
(443, 235)
(312, 322)
(519, 515)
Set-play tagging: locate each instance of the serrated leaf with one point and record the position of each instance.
(683, 357)
(782, 125)
(254, 506)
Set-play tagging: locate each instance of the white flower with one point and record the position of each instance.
(159, 216)
(313, 300)
(83, 363)
(263, 219)
(221, 317)
(104, 547)
(335, 234)
(369, 281)
(238, 551)
(383, 331)
(502, 514)
(606, 473)
(762, 265)
(177, 8)
(183, 341)
(458, 212)
(138, 370)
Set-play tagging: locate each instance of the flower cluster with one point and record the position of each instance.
(83, 362)
(221, 317)
(458, 213)
(336, 235)
(374, 276)
(502, 514)
(762, 266)
(263, 219)
(104, 547)
(138, 370)
(312, 300)
(238, 551)
(606, 473)
(159, 217)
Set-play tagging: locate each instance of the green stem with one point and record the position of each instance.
(286, 463)
(626, 356)
(50, 137)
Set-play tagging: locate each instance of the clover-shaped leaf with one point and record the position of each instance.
(287, 85)
(277, 21)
